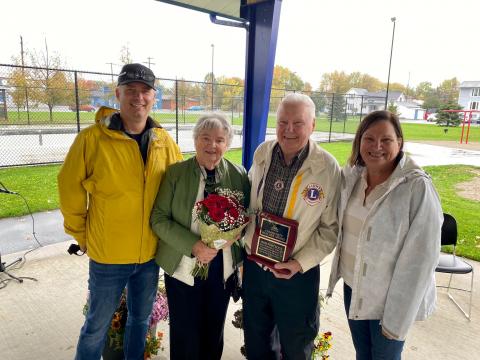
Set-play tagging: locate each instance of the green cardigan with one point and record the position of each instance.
(172, 212)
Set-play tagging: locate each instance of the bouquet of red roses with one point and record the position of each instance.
(221, 218)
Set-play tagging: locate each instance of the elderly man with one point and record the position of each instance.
(292, 179)
(107, 186)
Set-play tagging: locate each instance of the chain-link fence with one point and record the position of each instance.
(42, 110)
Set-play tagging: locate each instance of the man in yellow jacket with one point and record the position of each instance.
(107, 186)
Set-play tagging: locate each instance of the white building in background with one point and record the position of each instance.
(469, 96)
(362, 101)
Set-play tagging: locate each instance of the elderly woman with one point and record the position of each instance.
(388, 245)
(197, 307)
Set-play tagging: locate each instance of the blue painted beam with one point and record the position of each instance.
(260, 59)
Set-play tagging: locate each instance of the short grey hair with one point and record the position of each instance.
(297, 98)
(213, 121)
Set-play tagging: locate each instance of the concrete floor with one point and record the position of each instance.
(41, 320)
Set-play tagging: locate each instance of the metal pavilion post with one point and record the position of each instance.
(262, 35)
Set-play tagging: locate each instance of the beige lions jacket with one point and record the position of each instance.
(317, 215)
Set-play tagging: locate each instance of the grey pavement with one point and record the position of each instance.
(41, 320)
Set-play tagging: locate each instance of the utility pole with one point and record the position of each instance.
(390, 64)
(111, 69)
(213, 76)
(149, 62)
(25, 80)
(408, 83)
(112, 87)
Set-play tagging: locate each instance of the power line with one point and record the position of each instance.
(149, 62)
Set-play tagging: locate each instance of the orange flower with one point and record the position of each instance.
(116, 324)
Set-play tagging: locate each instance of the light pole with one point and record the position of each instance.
(213, 77)
(390, 64)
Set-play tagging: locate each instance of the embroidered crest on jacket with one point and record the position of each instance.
(313, 194)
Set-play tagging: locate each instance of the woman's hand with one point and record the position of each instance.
(203, 253)
(386, 334)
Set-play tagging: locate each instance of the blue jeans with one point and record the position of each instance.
(106, 283)
(369, 342)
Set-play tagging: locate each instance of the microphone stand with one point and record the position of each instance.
(3, 265)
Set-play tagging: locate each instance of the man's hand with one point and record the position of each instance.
(83, 248)
(203, 253)
(291, 265)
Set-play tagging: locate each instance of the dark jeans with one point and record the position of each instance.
(197, 315)
(278, 310)
(367, 336)
(106, 283)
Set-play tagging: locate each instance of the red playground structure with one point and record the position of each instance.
(467, 119)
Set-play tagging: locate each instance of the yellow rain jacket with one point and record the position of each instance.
(107, 193)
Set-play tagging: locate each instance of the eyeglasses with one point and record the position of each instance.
(137, 75)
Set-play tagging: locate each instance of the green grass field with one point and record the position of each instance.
(38, 184)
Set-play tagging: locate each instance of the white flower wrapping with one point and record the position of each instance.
(214, 238)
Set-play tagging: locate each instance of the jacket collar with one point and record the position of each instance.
(114, 122)
(405, 170)
(220, 169)
(314, 161)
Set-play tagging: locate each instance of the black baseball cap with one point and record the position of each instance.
(136, 73)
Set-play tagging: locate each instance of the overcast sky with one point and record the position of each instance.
(434, 39)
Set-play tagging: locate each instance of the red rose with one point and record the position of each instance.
(214, 201)
(233, 213)
(216, 214)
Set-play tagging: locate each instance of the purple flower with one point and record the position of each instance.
(160, 309)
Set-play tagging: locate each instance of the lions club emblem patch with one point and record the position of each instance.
(313, 194)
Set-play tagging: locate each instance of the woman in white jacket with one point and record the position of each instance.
(388, 245)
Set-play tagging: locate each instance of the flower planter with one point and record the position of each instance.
(109, 353)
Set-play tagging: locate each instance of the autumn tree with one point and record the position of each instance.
(52, 86)
(431, 101)
(19, 83)
(448, 90)
(364, 81)
(434, 98)
(397, 87)
(340, 82)
(209, 90)
(186, 90)
(423, 90)
(230, 92)
(337, 82)
(85, 89)
(283, 80)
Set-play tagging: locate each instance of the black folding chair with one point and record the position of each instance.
(452, 264)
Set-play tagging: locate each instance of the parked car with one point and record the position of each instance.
(196, 108)
(84, 107)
